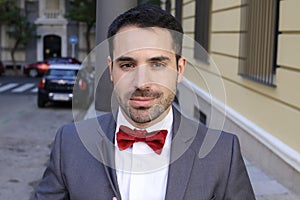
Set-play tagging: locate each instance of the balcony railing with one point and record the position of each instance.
(52, 14)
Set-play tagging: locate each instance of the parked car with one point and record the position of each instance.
(39, 68)
(2, 69)
(62, 82)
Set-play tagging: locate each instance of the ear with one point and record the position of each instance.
(181, 67)
(110, 65)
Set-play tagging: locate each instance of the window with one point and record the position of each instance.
(52, 5)
(258, 42)
(178, 10)
(202, 22)
(61, 72)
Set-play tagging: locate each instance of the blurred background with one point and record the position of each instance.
(252, 47)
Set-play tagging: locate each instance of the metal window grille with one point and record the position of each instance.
(258, 41)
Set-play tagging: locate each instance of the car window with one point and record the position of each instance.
(58, 60)
(62, 72)
(62, 60)
(52, 60)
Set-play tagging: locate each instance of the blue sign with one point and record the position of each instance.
(73, 39)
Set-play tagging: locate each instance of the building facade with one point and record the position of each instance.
(54, 34)
(253, 49)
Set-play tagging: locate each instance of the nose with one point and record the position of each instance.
(141, 76)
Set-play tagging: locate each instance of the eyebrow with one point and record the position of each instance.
(153, 59)
(124, 58)
(159, 59)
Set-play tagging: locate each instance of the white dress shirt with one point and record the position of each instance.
(141, 173)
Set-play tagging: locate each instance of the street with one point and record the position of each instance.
(26, 134)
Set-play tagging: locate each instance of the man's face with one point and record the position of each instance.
(145, 73)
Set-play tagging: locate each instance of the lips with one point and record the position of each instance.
(141, 101)
(143, 98)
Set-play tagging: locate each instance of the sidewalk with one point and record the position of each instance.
(267, 188)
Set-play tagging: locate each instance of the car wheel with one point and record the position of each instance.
(41, 102)
(33, 73)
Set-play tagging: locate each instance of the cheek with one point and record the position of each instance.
(122, 83)
(166, 76)
(168, 82)
(118, 78)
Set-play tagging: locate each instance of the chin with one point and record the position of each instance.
(140, 116)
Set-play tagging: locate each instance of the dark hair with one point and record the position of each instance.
(148, 16)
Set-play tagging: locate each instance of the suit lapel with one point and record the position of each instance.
(97, 135)
(108, 160)
(182, 157)
(107, 152)
(179, 175)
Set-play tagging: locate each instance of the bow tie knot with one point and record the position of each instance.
(155, 140)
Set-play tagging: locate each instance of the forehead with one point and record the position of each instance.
(132, 38)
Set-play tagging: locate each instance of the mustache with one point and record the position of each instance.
(143, 93)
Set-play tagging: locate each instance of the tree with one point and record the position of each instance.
(84, 11)
(21, 31)
(8, 10)
(17, 24)
(5, 10)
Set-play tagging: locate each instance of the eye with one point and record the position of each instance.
(127, 66)
(158, 65)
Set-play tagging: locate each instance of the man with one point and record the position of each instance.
(146, 149)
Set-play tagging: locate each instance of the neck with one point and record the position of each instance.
(146, 124)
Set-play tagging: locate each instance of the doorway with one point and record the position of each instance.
(52, 46)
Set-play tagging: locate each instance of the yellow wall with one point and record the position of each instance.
(275, 109)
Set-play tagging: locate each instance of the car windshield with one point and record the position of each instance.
(62, 72)
(59, 60)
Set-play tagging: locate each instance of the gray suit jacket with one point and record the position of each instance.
(205, 164)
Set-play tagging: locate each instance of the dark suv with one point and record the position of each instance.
(61, 82)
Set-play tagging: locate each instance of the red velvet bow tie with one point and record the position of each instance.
(155, 140)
